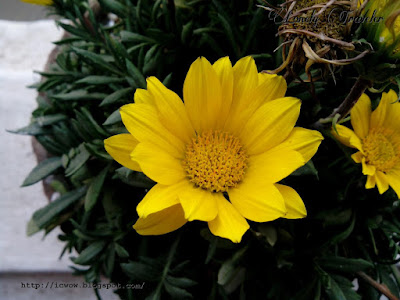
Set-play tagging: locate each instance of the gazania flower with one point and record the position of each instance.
(384, 32)
(376, 135)
(217, 156)
(39, 2)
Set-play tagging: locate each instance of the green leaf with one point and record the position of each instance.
(42, 170)
(97, 59)
(343, 264)
(44, 216)
(114, 7)
(141, 271)
(95, 80)
(176, 292)
(134, 178)
(49, 119)
(180, 281)
(31, 129)
(127, 36)
(117, 95)
(136, 75)
(89, 253)
(79, 95)
(95, 188)
(77, 161)
(307, 169)
(230, 267)
(333, 290)
(121, 251)
(115, 117)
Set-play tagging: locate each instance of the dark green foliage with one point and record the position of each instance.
(100, 64)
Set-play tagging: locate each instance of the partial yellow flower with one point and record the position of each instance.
(217, 156)
(39, 2)
(377, 137)
(384, 31)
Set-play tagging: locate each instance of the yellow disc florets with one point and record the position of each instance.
(380, 151)
(215, 161)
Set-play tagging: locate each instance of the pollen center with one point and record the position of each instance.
(380, 151)
(215, 161)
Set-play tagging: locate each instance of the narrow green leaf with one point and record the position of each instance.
(95, 80)
(343, 264)
(134, 72)
(95, 188)
(97, 59)
(176, 292)
(89, 253)
(127, 36)
(117, 95)
(32, 129)
(79, 95)
(114, 7)
(140, 271)
(115, 117)
(181, 281)
(121, 251)
(77, 161)
(42, 170)
(44, 216)
(133, 178)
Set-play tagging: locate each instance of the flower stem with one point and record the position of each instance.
(343, 110)
(378, 286)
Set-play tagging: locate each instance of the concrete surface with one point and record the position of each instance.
(24, 47)
(19, 11)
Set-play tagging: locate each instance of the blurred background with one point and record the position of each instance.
(26, 36)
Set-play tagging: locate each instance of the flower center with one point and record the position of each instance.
(380, 151)
(215, 161)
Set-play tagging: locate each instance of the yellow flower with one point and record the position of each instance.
(377, 137)
(233, 136)
(39, 2)
(384, 33)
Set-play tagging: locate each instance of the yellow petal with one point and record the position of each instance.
(371, 182)
(257, 201)
(294, 203)
(143, 123)
(381, 182)
(347, 137)
(274, 165)
(229, 223)
(198, 204)
(304, 141)
(223, 68)
(361, 115)
(171, 110)
(143, 97)
(270, 125)
(245, 76)
(161, 222)
(120, 148)
(388, 112)
(159, 198)
(357, 157)
(272, 87)
(393, 177)
(158, 164)
(367, 169)
(202, 95)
